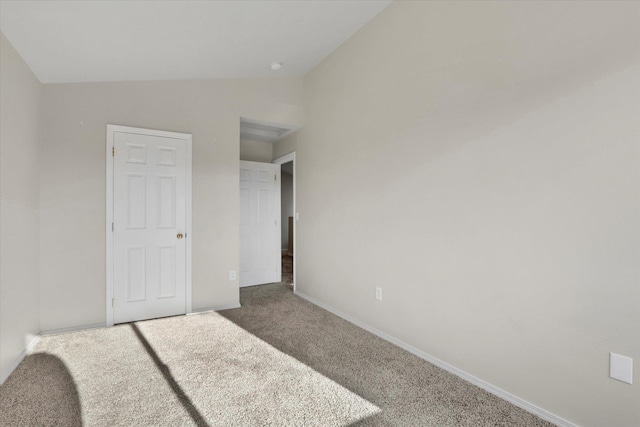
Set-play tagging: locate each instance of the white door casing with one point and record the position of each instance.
(148, 240)
(260, 250)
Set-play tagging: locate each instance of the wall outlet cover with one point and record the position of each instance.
(621, 368)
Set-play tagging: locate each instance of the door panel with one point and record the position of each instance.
(259, 223)
(166, 202)
(167, 271)
(150, 196)
(136, 199)
(136, 274)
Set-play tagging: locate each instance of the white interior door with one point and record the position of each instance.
(150, 189)
(259, 223)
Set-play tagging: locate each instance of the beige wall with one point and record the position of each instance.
(285, 146)
(256, 151)
(73, 180)
(479, 161)
(20, 98)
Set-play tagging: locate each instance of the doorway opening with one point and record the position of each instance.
(266, 245)
(289, 217)
(287, 222)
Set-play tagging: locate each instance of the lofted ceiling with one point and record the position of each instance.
(90, 41)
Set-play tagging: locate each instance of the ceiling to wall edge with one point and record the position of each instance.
(259, 130)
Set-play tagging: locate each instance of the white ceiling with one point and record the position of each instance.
(88, 41)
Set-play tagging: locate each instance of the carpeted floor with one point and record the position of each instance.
(278, 360)
(287, 269)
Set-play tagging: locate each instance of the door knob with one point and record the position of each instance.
(179, 236)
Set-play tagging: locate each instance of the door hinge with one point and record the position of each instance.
(112, 227)
(113, 151)
(113, 302)
(275, 177)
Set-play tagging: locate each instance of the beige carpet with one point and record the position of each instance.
(287, 269)
(278, 361)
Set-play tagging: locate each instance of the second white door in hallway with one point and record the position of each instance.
(259, 223)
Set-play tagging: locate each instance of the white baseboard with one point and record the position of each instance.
(212, 309)
(72, 329)
(521, 403)
(19, 359)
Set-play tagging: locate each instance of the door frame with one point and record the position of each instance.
(111, 130)
(291, 157)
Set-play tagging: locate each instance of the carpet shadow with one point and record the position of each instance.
(40, 392)
(184, 400)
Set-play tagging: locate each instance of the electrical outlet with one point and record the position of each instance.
(379, 294)
(233, 275)
(621, 368)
